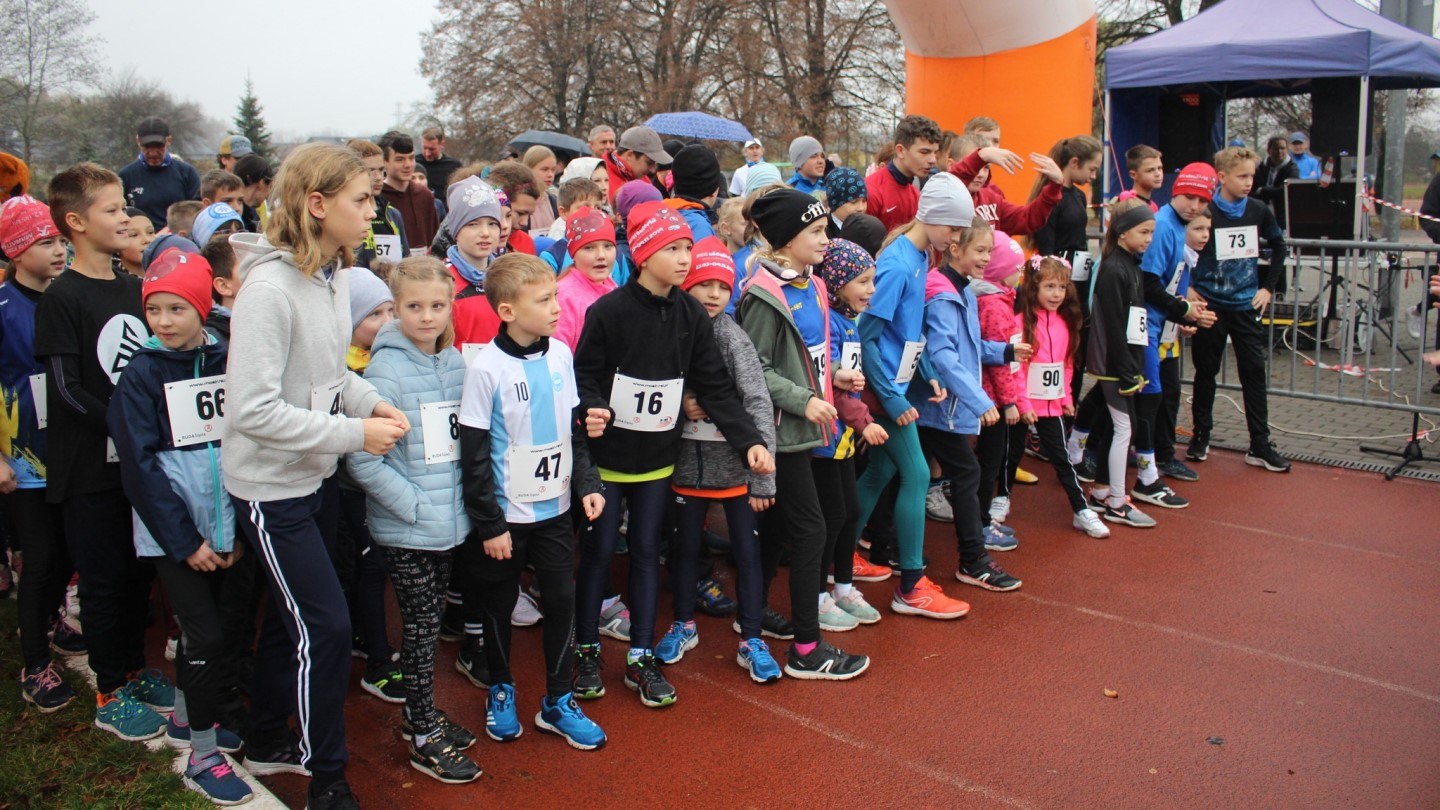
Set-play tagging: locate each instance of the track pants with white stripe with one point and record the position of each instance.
(302, 663)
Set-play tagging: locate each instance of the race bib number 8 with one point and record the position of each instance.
(440, 426)
(646, 406)
(197, 410)
(1237, 243)
(538, 472)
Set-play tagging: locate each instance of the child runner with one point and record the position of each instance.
(87, 326)
(414, 509)
(141, 233)
(476, 219)
(37, 255)
(166, 409)
(641, 345)
(892, 343)
(785, 311)
(1049, 321)
(294, 410)
(590, 241)
(709, 470)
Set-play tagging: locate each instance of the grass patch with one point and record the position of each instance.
(62, 760)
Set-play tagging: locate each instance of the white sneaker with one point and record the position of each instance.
(1090, 523)
(834, 619)
(172, 647)
(1415, 322)
(999, 508)
(937, 506)
(527, 611)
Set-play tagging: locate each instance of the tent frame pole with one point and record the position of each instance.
(1361, 219)
(1107, 164)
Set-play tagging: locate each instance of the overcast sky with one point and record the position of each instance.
(317, 67)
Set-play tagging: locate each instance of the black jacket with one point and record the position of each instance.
(1118, 287)
(634, 332)
(1270, 186)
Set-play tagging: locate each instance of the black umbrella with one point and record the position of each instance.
(565, 147)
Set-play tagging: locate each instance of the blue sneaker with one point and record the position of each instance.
(127, 718)
(754, 655)
(996, 540)
(501, 724)
(564, 717)
(676, 641)
(1003, 529)
(178, 736)
(153, 689)
(213, 778)
(711, 600)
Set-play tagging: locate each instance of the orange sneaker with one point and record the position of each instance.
(928, 600)
(862, 570)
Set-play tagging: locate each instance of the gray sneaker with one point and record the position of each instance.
(615, 621)
(937, 506)
(1129, 516)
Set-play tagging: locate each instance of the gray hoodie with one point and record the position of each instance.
(288, 339)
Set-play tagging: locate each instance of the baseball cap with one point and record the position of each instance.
(753, 142)
(236, 146)
(1298, 137)
(645, 141)
(152, 131)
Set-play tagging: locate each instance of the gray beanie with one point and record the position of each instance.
(367, 293)
(469, 200)
(803, 148)
(945, 201)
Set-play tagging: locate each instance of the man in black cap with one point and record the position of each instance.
(157, 178)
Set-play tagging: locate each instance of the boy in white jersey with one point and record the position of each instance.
(520, 459)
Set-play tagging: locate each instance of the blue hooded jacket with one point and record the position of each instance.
(956, 352)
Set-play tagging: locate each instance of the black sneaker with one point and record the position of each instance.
(386, 683)
(470, 662)
(357, 647)
(1033, 447)
(438, 758)
(1177, 470)
(587, 683)
(335, 797)
(711, 600)
(1085, 470)
(988, 575)
(1199, 445)
(644, 676)
(1268, 457)
(45, 689)
(772, 624)
(279, 756)
(66, 640)
(452, 622)
(825, 663)
(1158, 494)
(457, 734)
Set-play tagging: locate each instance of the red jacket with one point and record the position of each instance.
(991, 205)
(997, 322)
(890, 198)
(475, 321)
(521, 242)
(619, 175)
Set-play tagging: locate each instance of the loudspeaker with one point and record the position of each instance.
(1336, 110)
(1312, 212)
(1186, 124)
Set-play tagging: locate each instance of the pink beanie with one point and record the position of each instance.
(1005, 259)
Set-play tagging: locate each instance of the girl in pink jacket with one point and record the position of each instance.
(590, 239)
(1049, 320)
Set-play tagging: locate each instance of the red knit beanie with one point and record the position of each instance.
(653, 226)
(1196, 179)
(710, 262)
(23, 222)
(187, 275)
(586, 225)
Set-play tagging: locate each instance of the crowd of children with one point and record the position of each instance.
(475, 398)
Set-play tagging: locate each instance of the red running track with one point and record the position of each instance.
(1292, 616)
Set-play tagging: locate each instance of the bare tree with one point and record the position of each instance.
(101, 126)
(46, 49)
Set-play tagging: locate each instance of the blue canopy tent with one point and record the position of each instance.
(1251, 48)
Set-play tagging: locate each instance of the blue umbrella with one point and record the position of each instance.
(700, 125)
(564, 146)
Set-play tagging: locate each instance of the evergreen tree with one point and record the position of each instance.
(250, 121)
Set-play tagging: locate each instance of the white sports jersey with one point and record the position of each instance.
(527, 405)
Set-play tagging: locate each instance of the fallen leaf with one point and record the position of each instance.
(1215, 740)
(1292, 773)
(407, 785)
(1111, 693)
(1152, 770)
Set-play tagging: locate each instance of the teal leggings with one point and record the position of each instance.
(900, 454)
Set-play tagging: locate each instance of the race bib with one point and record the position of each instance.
(1080, 266)
(909, 361)
(197, 410)
(387, 246)
(702, 431)
(1014, 364)
(538, 472)
(647, 406)
(470, 351)
(112, 456)
(850, 356)
(1237, 243)
(440, 426)
(329, 398)
(37, 395)
(1137, 330)
(819, 360)
(1046, 381)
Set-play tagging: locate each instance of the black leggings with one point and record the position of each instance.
(802, 525)
(647, 513)
(992, 450)
(548, 546)
(419, 577)
(1051, 432)
(1168, 417)
(114, 583)
(361, 566)
(689, 536)
(1147, 409)
(37, 530)
(838, 475)
(957, 462)
(202, 672)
